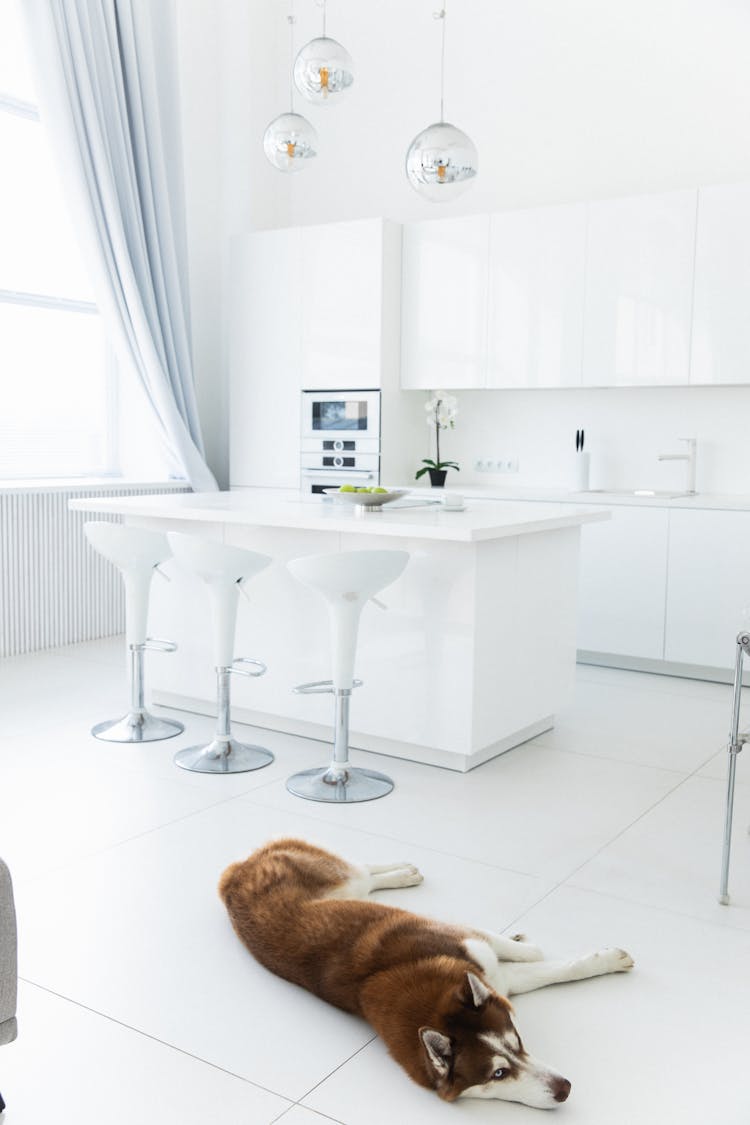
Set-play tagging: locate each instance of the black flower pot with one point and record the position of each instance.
(437, 477)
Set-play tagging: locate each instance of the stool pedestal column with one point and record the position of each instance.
(138, 725)
(225, 754)
(339, 783)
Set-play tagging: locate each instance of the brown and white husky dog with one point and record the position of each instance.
(435, 993)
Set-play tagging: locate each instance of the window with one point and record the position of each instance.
(57, 374)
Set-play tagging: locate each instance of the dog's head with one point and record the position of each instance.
(477, 1053)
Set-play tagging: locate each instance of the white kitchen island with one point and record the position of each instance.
(473, 655)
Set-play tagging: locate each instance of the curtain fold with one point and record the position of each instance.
(108, 94)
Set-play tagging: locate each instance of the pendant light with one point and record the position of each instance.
(323, 69)
(441, 161)
(290, 140)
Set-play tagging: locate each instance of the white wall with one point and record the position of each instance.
(565, 99)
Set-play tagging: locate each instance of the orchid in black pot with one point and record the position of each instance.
(441, 413)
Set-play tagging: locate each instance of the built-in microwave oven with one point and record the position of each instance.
(351, 416)
(340, 439)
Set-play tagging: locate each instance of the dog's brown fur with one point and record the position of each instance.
(401, 972)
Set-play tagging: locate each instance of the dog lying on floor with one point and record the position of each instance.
(435, 993)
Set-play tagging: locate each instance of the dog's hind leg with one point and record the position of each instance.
(511, 948)
(513, 978)
(362, 880)
(385, 876)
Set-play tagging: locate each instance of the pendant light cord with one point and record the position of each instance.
(441, 16)
(291, 20)
(322, 4)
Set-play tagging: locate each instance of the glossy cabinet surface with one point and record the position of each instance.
(536, 296)
(623, 578)
(265, 357)
(444, 305)
(708, 599)
(341, 287)
(639, 277)
(721, 322)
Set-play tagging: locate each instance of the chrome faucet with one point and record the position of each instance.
(689, 456)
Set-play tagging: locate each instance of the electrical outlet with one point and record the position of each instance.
(496, 465)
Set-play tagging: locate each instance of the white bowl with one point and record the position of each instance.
(367, 499)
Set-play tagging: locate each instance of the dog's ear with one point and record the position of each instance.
(438, 1050)
(475, 993)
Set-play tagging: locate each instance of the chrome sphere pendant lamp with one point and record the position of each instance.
(441, 161)
(290, 140)
(323, 69)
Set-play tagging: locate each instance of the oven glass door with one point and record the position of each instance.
(343, 414)
(339, 414)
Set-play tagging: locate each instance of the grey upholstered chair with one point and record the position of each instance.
(8, 962)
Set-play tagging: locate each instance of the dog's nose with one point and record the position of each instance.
(560, 1089)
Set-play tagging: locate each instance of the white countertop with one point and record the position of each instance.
(727, 501)
(481, 519)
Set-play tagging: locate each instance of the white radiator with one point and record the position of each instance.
(54, 588)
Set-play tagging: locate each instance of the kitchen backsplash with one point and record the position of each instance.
(626, 429)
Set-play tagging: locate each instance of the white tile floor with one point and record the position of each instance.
(138, 1004)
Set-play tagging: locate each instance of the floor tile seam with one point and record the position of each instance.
(94, 853)
(330, 1074)
(627, 828)
(398, 840)
(670, 910)
(308, 1109)
(155, 1039)
(544, 745)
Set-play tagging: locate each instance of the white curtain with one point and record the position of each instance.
(108, 95)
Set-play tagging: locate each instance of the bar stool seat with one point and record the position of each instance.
(137, 552)
(224, 569)
(347, 580)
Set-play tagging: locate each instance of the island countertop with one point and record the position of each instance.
(480, 520)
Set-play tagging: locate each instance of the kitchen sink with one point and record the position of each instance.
(646, 493)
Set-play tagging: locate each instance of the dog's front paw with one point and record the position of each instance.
(407, 875)
(616, 960)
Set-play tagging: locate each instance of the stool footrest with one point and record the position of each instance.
(259, 667)
(154, 644)
(322, 687)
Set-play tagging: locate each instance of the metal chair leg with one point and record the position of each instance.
(736, 742)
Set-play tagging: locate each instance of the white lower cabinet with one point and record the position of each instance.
(623, 580)
(708, 596)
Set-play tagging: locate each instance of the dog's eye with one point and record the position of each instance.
(499, 1073)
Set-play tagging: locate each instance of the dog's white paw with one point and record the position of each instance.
(406, 876)
(518, 937)
(616, 960)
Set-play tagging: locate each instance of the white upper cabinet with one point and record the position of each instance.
(639, 279)
(721, 324)
(536, 291)
(444, 306)
(342, 283)
(265, 354)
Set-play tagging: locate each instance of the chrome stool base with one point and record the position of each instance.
(223, 755)
(339, 787)
(137, 726)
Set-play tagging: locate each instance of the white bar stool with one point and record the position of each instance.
(224, 569)
(136, 552)
(346, 580)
